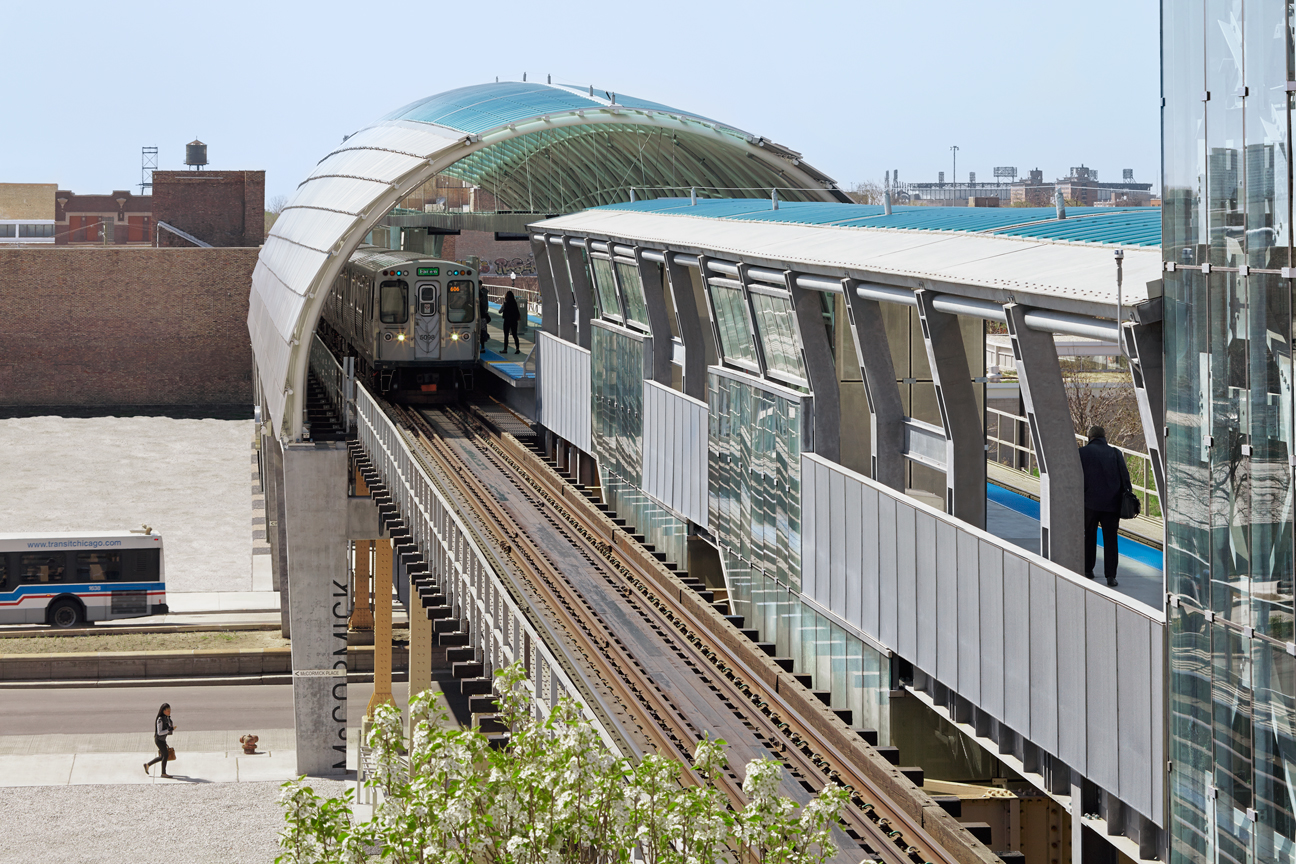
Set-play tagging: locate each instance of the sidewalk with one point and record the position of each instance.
(117, 759)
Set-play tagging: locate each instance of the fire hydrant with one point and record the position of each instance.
(249, 743)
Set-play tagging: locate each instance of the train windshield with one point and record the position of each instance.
(459, 302)
(393, 301)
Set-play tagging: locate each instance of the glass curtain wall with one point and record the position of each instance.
(605, 290)
(857, 677)
(1226, 232)
(778, 331)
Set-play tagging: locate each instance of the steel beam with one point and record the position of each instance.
(550, 307)
(965, 462)
(650, 282)
(1144, 347)
(692, 333)
(886, 410)
(1048, 416)
(382, 691)
(816, 355)
(581, 290)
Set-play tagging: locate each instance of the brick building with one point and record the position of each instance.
(223, 208)
(115, 327)
(27, 213)
(220, 208)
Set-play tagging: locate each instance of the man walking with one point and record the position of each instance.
(1106, 478)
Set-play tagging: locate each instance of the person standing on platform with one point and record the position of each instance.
(162, 727)
(511, 314)
(485, 316)
(1106, 477)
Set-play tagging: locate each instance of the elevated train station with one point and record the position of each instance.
(783, 396)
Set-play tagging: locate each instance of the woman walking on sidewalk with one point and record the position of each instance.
(162, 727)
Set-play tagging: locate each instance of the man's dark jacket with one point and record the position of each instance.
(1105, 475)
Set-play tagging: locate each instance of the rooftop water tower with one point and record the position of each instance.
(196, 154)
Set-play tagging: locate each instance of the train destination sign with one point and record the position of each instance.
(429, 271)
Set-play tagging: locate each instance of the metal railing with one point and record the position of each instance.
(1021, 457)
(338, 380)
(499, 628)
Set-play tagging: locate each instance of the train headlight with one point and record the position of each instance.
(454, 337)
(400, 338)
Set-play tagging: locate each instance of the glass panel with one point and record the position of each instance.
(393, 303)
(7, 230)
(459, 302)
(1231, 693)
(632, 290)
(97, 566)
(777, 330)
(41, 567)
(1184, 134)
(838, 683)
(605, 287)
(1229, 470)
(1190, 727)
(1274, 673)
(732, 323)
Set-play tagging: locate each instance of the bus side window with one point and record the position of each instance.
(140, 565)
(4, 572)
(42, 567)
(99, 566)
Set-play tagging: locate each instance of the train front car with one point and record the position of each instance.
(411, 322)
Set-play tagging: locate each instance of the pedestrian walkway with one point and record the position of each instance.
(117, 758)
(1015, 518)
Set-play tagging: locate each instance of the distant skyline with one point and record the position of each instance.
(859, 88)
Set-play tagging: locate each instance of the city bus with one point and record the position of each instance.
(68, 578)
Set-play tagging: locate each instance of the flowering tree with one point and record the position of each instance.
(552, 795)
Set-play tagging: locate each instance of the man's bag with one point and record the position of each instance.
(170, 754)
(1130, 505)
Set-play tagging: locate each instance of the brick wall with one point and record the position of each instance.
(223, 208)
(125, 326)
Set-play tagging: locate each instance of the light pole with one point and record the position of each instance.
(954, 150)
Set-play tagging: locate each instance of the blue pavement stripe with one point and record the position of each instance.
(1027, 506)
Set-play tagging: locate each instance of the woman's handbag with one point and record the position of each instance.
(170, 754)
(1130, 505)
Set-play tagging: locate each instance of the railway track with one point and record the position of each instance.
(654, 667)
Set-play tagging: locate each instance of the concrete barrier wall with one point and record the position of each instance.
(1070, 665)
(197, 663)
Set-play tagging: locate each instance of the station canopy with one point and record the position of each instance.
(535, 148)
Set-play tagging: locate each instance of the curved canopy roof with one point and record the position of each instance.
(538, 148)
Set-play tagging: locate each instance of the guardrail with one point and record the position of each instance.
(500, 630)
(338, 380)
(1021, 457)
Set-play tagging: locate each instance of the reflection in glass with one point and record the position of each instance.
(605, 286)
(732, 323)
(632, 290)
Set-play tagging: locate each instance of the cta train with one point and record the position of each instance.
(410, 321)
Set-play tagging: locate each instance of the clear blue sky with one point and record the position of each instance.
(858, 87)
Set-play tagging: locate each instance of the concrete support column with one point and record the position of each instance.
(816, 353)
(581, 291)
(276, 525)
(693, 334)
(1143, 345)
(382, 627)
(650, 279)
(1048, 415)
(880, 388)
(549, 304)
(965, 458)
(315, 485)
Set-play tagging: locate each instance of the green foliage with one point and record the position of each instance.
(553, 795)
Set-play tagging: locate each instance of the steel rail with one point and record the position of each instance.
(890, 832)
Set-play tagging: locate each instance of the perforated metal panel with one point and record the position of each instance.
(1073, 667)
(675, 451)
(564, 385)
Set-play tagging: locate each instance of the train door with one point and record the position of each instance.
(427, 322)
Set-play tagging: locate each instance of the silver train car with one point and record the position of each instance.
(409, 320)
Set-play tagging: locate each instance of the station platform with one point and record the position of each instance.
(1014, 517)
(508, 364)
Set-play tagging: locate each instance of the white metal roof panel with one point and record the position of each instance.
(416, 139)
(317, 229)
(1062, 274)
(367, 164)
(345, 194)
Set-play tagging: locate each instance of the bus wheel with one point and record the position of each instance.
(64, 614)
